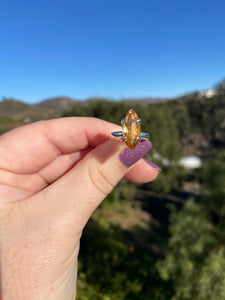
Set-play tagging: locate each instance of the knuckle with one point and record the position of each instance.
(99, 180)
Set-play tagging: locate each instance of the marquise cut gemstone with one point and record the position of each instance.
(131, 129)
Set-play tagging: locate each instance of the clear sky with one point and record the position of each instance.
(110, 48)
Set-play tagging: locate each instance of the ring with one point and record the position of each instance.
(131, 130)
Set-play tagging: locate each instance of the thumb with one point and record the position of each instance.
(83, 188)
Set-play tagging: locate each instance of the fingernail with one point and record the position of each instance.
(154, 166)
(129, 157)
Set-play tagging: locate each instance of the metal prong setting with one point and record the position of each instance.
(123, 121)
(131, 130)
(144, 135)
(117, 133)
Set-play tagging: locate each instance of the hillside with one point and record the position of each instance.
(18, 110)
(52, 107)
(49, 108)
(57, 104)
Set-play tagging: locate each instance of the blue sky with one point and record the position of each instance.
(110, 48)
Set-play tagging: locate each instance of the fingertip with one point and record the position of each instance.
(143, 171)
(129, 157)
(152, 165)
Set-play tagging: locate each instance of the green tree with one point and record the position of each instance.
(196, 257)
(220, 87)
(113, 266)
(192, 237)
(181, 117)
(213, 181)
(211, 281)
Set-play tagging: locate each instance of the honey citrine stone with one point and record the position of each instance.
(131, 129)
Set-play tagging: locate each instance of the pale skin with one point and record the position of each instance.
(53, 175)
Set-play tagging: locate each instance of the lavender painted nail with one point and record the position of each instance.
(154, 166)
(129, 157)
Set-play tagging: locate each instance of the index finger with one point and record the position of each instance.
(31, 147)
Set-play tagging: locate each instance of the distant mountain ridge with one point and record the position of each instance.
(53, 107)
(48, 108)
(16, 109)
(57, 103)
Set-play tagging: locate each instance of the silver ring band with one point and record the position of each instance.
(143, 135)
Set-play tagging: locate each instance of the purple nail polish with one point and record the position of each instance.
(129, 157)
(153, 165)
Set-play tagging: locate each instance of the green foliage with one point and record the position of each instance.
(115, 267)
(196, 258)
(196, 110)
(181, 116)
(124, 191)
(192, 237)
(99, 108)
(213, 181)
(7, 123)
(207, 117)
(204, 116)
(211, 282)
(220, 87)
(163, 131)
(170, 178)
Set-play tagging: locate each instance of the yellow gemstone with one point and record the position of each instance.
(131, 129)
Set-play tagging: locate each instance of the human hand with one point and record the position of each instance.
(53, 175)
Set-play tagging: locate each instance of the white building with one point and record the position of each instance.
(207, 93)
(187, 162)
(190, 162)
